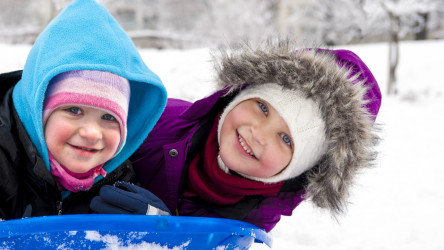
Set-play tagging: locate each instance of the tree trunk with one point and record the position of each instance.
(395, 22)
(393, 63)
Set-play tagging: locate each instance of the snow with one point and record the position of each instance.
(396, 205)
(113, 242)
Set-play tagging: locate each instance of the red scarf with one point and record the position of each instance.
(208, 181)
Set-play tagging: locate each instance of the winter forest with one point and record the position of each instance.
(396, 205)
(201, 23)
(175, 23)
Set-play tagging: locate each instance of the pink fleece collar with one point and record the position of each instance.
(71, 181)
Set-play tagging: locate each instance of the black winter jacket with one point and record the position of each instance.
(27, 188)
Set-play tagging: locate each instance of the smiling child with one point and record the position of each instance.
(71, 118)
(286, 125)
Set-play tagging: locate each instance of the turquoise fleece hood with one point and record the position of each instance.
(84, 36)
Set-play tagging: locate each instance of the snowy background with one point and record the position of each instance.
(398, 204)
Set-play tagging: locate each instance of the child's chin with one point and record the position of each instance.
(79, 170)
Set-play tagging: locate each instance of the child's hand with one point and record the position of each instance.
(126, 198)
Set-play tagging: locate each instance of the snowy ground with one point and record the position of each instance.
(397, 205)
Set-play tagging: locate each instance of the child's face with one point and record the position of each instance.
(81, 138)
(255, 140)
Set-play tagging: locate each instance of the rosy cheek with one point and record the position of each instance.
(114, 139)
(277, 162)
(54, 140)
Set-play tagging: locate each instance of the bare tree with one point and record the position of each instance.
(393, 59)
(405, 16)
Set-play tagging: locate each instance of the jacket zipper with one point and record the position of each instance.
(59, 207)
(113, 178)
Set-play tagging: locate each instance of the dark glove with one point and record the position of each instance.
(126, 198)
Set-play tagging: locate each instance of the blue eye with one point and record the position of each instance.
(286, 139)
(108, 117)
(263, 108)
(74, 110)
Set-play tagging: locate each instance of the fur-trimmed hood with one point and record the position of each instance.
(346, 92)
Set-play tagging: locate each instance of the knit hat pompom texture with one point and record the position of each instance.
(347, 96)
(97, 89)
(302, 117)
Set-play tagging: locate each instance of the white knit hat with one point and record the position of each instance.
(303, 118)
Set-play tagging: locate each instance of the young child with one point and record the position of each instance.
(72, 117)
(285, 126)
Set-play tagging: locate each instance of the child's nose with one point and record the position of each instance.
(90, 131)
(260, 133)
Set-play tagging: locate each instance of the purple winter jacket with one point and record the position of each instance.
(161, 162)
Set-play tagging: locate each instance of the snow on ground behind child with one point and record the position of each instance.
(396, 205)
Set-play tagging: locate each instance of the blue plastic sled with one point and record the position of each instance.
(91, 231)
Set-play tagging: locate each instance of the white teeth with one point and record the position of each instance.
(244, 147)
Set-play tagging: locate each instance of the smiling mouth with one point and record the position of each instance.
(242, 143)
(85, 149)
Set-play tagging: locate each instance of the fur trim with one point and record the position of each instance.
(350, 130)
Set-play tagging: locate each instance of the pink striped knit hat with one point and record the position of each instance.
(92, 88)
